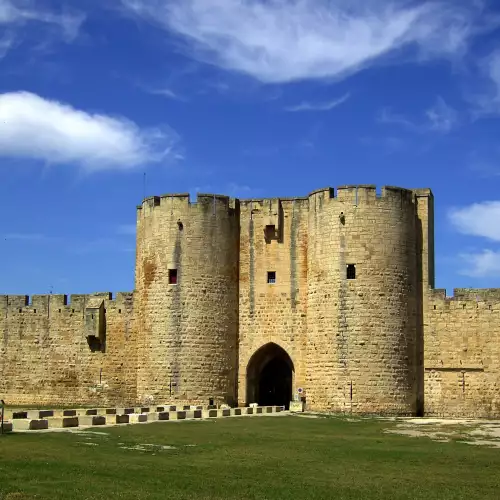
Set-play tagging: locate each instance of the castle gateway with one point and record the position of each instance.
(244, 301)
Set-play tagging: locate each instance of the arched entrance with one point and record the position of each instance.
(270, 377)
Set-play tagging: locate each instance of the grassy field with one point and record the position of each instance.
(245, 458)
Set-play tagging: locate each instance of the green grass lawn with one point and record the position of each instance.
(245, 458)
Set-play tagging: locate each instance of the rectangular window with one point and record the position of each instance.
(270, 231)
(172, 276)
(271, 277)
(351, 271)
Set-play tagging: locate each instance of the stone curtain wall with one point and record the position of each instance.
(188, 331)
(384, 342)
(462, 353)
(46, 359)
(361, 350)
(273, 312)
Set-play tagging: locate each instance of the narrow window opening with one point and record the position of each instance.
(119, 311)
(34, 310)
(434, 307)
(270, 233)
(271, 277)
(59, 310)
(172, 276)
(351, 271)
(92, 316)
(20, 310)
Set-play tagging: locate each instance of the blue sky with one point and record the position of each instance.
(250, 98)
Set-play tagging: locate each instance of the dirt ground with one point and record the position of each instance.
(469, 431)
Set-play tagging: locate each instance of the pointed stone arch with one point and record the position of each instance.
(270, 374)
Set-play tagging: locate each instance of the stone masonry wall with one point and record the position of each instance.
(361, 349)
(384, 342)
(188, 331)
(272, 313)
(46, 359)
(462, 353)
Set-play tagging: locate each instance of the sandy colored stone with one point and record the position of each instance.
(386, 342)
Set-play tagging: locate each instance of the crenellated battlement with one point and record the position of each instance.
(463, 295)
(205, 202)
(18, 304)
(357, 194)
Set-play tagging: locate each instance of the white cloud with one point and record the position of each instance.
(319, 106)
(440, 118)
(481, 265)
(478, 219)
(16, 14)
(37, 128)
(288, 40)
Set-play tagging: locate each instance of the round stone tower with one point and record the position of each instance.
(187, 299)
(362, 301)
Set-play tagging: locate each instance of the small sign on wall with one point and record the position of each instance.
(296, 406)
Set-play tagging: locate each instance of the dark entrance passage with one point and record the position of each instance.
(270, 377)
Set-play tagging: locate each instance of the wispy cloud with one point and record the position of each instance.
(17, 14)
(485, 169)
(487, 102)
(47, 130)
(318, 106)
(165, 93)
(162, 91)
(6, 43)
(283, 41)
(478, 219)
(481, 264)
(440, 117)
(387, 116)
(481, 220)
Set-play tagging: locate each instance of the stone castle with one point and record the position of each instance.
(328, 298)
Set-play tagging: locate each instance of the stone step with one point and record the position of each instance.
(61, 422)
(16, 414)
